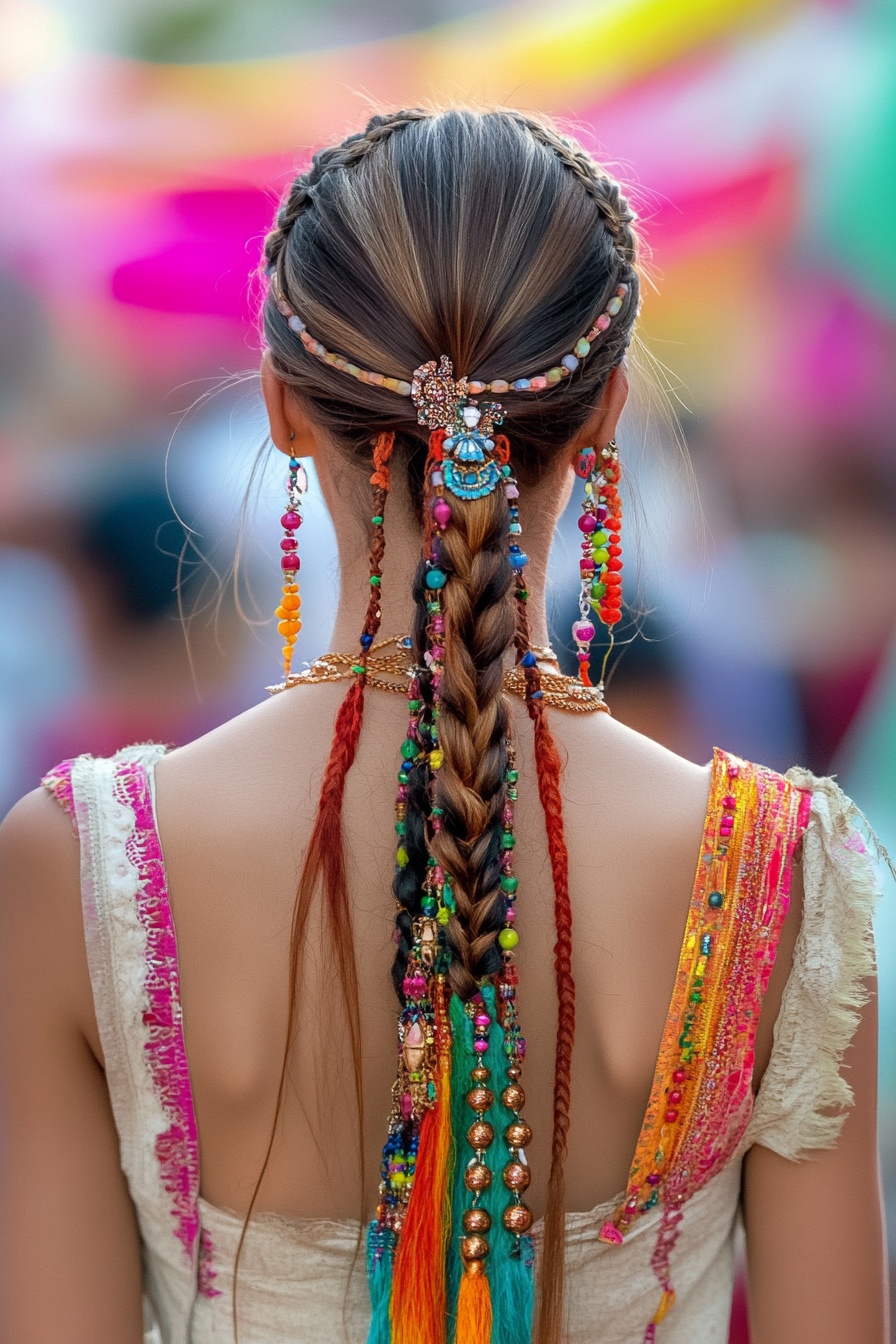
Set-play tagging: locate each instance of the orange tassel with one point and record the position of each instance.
(419, 1293)
(474, 1307)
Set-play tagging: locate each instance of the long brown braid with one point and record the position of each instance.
(494, 239)
(473, 723)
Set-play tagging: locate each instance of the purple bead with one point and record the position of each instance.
(654, 1178)
(290, 562)
(511, 491)
(587, 523)
(291, 519)
(480, 1047)
(582, 632)
(437, 478)
(600, 512)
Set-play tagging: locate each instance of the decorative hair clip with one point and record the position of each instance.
(474, 387)
(469, 468)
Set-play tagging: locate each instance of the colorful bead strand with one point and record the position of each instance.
(288, 612)
(474, 386)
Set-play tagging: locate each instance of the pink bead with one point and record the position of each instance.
(586, 566)
(441, 511)
(291, 519)
(290, 562)
(582, 631)
(654, 1178)
(289, 544)
(480, 1047)
(538, 384)
(482, 1020)
(582, 656)
(404, 793)
(407, 1105)
(602, 322)
(600, 512)
(511, 914)
(679, 1076)
(729, 800)
(587, 523)
(511, 491)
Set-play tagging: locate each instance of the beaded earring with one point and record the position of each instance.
(600, 567)
(288, 612)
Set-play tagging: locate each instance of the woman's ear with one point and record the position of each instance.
(292, 432)
(602, 424)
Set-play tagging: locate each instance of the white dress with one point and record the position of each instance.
(304, 1280)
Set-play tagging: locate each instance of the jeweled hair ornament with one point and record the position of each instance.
(471, 386)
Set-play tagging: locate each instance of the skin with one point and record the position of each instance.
(235, 810)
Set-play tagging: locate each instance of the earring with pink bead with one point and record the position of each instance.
(289, 611)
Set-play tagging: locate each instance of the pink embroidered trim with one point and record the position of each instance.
(177, 1148)
(59, 782)
(207, 1273)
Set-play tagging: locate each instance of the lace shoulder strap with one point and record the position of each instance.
(132, 957)
(804, 1098)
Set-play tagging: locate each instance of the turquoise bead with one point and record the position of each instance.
(715, 899)
(436, 578)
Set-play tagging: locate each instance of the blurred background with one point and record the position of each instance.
(143, 148)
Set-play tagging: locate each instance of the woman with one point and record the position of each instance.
(450, 299)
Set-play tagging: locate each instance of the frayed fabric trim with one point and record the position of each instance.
(59, 782)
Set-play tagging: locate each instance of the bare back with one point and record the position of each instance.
(234, 813)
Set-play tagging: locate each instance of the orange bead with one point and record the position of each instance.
(290, 601)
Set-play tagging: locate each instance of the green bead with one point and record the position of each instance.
(375, 580)
(600, 555)
(508, 840)
(443, 915)
(402, 858)
(377, 519)
(597, 590)
(583, 347)
(401, 828)
(715, 899)
(408, 749)
(599, 538)
(429, 905)
(509, 884)
(508, 939)
(522, 594)
(433, 606)
(684, 1041)
(696, 996)
(359, 669)
(414, 705)
(512, 776)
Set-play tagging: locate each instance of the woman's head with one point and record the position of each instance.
(483, 236)
(488, 238)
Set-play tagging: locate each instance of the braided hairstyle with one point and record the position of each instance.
(495, 240)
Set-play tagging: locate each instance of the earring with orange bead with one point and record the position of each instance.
(289, 611)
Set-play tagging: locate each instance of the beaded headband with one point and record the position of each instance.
(470, 386)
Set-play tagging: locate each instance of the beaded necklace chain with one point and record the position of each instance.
(391, 672)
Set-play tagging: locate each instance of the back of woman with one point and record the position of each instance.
(427, 965)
